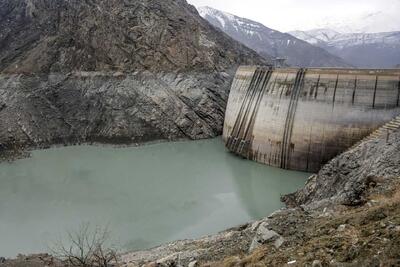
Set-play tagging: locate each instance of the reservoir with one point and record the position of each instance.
(145, 195)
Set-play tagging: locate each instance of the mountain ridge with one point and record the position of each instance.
(371, 50)
(269, 42)
(374, 21)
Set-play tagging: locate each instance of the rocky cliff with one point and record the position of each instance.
(115, 71)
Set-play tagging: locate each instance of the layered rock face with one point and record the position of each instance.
(80, 107)
(115, 71)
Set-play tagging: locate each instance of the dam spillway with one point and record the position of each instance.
(299, 119)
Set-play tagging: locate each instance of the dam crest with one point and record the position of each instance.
(299, 119)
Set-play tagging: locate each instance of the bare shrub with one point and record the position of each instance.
(86, 247)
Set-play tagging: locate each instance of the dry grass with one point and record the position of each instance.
(371, 235)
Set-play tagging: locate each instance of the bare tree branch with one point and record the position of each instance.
(86, 247)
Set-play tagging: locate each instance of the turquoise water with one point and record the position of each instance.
(145, 195)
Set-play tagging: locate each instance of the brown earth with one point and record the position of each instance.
(368, 235)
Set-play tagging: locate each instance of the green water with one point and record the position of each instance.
(146, 195)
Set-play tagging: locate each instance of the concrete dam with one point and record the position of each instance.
(299, 119)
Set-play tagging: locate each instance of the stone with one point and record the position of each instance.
(316, 263)
(255, 225)
(118, 74)
(380, 216)
(193, 264)
(267, 235)
(375, 262)
(279, 242)
(264, 236)
(169, 260)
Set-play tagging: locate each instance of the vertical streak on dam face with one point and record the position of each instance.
(398, 93)
(301, 118)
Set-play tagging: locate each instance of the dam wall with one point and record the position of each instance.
(299, 119)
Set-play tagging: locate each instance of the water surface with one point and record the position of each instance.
(146, 195)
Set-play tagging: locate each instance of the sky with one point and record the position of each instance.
(288, 15)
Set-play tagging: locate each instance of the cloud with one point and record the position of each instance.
(286, 15)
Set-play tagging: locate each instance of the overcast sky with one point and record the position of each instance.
(286, 15)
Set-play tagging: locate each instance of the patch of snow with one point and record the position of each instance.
(340, 40)
(221, 20)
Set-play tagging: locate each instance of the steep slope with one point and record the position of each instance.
(271, 43)
(368, 50)
(115, 71)
(64, 35)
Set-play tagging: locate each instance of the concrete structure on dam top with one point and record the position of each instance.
(299, 119)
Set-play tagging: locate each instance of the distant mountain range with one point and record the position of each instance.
(268, 42)
(368, 50)
(382, 20)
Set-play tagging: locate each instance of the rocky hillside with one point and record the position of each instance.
(115, 71)
(271, 43)
(365, 50)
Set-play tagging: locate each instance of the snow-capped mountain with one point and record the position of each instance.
(317, 36)
(386, 20)
(369, 50)
(267, 41)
